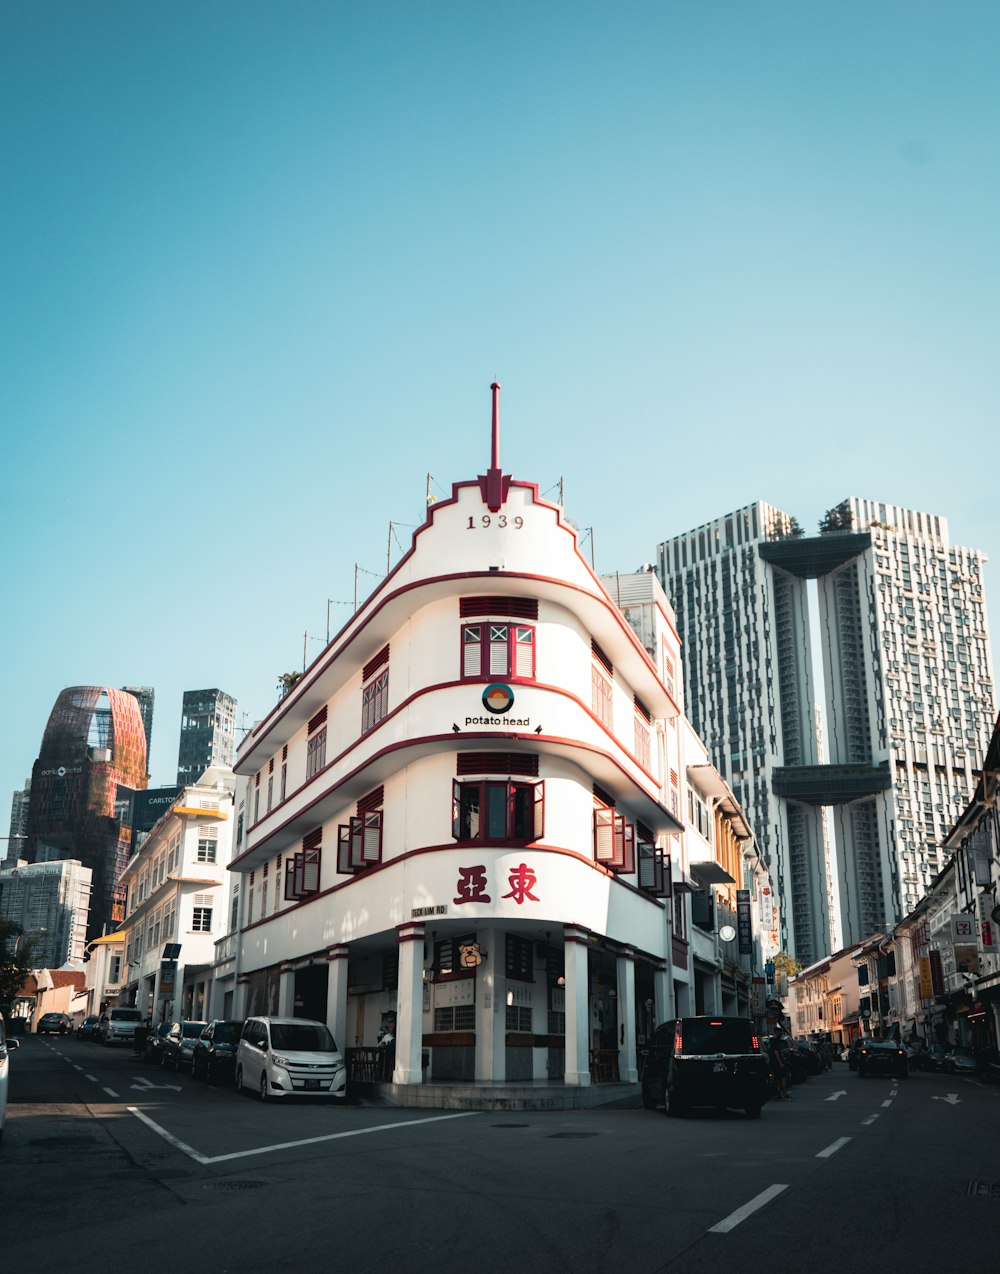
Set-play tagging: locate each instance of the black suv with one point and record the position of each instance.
(705, 1061)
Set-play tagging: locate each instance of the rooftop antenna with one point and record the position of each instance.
(495, 484)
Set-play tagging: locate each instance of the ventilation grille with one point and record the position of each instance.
(373, 665)
(601, 657)
(604, 797)
(520, 607)
(373, 801)
(313, 840)
(497, 763)
(318, 720)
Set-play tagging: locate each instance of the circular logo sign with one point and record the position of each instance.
(727, 933)
(498, 698)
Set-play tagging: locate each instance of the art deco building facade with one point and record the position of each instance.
(465, 817)
(908, 697)
(93, 742)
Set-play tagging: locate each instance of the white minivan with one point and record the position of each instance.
(289, 1056)
(6, 1045)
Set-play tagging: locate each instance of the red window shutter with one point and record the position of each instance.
(499, 653)
(371, 837)
(373, 665)
(270, 766)
(290, 894)
(344, 850)
(318, 720)
(472, 650)
(604, 836)
(641, 708)
(456, 807)
(539, 811)
(524, 652)
(628, 857)
(284, 753)
(310, 871)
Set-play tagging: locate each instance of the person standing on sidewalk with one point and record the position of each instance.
(775, 1049)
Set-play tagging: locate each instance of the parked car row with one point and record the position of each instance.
(272, 1057)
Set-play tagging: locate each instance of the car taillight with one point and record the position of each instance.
(677, 1038)
(755, 1042)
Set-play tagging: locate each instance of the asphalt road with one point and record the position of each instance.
(107, 1162)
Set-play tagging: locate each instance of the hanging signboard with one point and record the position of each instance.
(988, 936)
(743, 923)
(963, 928)
(758, 1006)
(926, 985)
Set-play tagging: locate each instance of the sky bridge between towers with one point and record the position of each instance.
(830, 784)
(809, 557)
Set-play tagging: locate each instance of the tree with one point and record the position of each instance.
(795, 530)
(836, 519)
(785, 964)
(286, 680)
(15, 964)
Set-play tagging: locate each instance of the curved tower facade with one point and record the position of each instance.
(94, 740)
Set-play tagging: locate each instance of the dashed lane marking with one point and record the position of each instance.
(748, 1209)
(833, 1147)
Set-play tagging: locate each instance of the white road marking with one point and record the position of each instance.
(870, 1120)
(92, 1078)
(834, 1096)
(886, 1104)
(289, 1145)
(741, 1214)
(111, 1092)
(833, 1147)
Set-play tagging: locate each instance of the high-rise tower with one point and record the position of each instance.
(909, 696)
(93, 742)
(145, 696)
(208, 733)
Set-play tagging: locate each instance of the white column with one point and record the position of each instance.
(241, 996)
(663, 994)
(491, 1008)
(628, 1070)
(577, 1007)
(410, 1005)
(286, 991)
(336, 994)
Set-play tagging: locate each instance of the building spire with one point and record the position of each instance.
(494, 484)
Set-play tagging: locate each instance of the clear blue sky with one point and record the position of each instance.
(260, 262)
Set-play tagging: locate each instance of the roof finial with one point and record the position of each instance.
(495, 463)
(494, 484)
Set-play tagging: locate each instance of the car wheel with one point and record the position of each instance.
(673, 1105)
(163, 1060)
(239, 1079)
(753, 1112)
(263, 1085)
(650, 1097)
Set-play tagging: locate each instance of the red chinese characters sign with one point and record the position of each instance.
(472, 885)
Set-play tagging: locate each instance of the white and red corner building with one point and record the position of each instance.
(465, 816)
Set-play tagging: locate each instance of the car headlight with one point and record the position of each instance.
(279, 1061)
